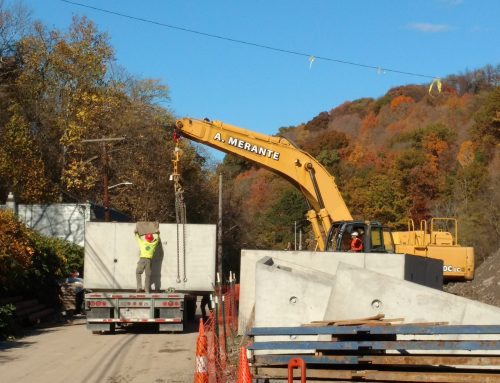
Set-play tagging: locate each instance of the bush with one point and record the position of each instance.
(7, 323)
(31, 264)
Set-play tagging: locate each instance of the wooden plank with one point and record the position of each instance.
(265, 372)
(432, 360)
(409, 360)
(460, 376)
(431, 377)
(10, 300)
(346, 322)
(393, 320)
(276, 360)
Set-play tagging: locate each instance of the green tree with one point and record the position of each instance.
(486, 129)
(279, 221)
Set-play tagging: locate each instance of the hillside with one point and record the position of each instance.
(486, 284)
(408, 154)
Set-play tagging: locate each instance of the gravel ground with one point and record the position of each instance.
(485, 287)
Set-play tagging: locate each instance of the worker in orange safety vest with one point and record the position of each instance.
(356, 243)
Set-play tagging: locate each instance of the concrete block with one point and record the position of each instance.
(111, 255)
(419, 269)
(147, 227)
(289, 295)
(360, 293)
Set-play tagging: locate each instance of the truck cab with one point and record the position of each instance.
(375, 237)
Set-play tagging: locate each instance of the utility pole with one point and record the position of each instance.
(105, 181)
(295, 235)
(105, 168)
(219, 231)
(300, 238)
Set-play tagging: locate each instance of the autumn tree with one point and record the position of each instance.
(20, 163)
(66, 89)
(59, 91)
(374, 195)
(486, 129)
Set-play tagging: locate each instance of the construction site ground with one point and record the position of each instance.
(486, 284)
(70, 353)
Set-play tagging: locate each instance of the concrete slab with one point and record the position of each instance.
(111, 255)
(291, 294)
(360, 292)
(405, 267)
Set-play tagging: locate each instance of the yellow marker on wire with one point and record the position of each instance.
(438, 83)
(311, 60)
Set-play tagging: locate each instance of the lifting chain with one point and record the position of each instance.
(180, 212)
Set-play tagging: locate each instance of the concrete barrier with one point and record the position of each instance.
(111, 255)
(291, 295)
(359, 293)
(404, 267)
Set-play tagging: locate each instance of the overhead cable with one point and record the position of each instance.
(256, 45)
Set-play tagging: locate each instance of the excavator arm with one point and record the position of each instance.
(280, 156)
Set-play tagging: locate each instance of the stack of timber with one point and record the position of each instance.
(28, 311)
(68, 296)
(378, 351)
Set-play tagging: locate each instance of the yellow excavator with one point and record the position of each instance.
(330, 218)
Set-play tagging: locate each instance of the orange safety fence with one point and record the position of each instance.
(221, 332)
(201, 371)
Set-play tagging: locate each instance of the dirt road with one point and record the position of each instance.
(73, 354)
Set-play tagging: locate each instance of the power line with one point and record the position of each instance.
(256, 45)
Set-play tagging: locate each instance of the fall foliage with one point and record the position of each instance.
(30, 263)
(62, 89)
(406, 154)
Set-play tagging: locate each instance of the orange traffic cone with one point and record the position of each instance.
(243, 371)
(201, 372)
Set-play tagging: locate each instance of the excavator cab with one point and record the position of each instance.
(375, 237)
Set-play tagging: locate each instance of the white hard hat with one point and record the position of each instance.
(354, 233)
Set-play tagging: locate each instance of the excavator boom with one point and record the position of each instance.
(280, 156)
(330, 219)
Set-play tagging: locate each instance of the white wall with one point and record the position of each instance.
(63, 220)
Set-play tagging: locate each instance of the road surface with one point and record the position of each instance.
(72, 354)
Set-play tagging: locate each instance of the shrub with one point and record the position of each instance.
(7, 323)
(32, 264)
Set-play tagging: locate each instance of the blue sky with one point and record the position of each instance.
(262, 89)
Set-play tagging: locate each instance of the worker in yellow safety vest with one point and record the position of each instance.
(147, 246)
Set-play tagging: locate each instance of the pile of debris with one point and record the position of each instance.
(486, 284)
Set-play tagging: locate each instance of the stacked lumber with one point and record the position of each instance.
(28, 311)
(68, 296)
(378, 350)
